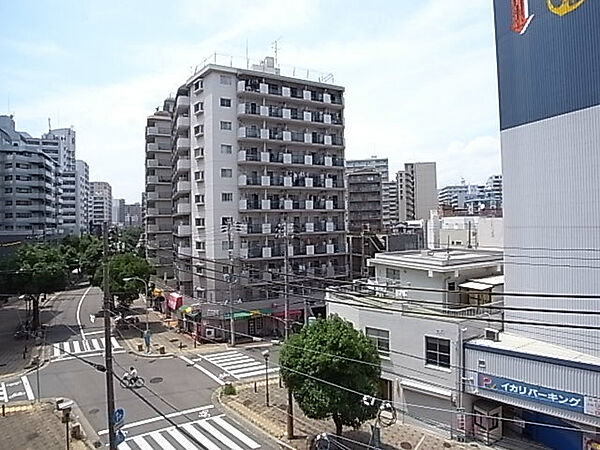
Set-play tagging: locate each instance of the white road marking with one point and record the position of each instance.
(87, 355)
(202, 369)
(79, 310)
(76, 347)
(230, 352)
(27, 387)
(237, 361)
(247, 369)
(56, 350)
(3, 395)
(14, 383)
(237, 433)
(181, 438)
(66, 347)
(259, 372)
(89, 333)
(141, 443)
(220, 436)
(158, 418)
(164, 444)
(15, 394)
(96, 344)
(114, 342)
(123, 446)
(200, 437)
(248, 363)
(224, 359)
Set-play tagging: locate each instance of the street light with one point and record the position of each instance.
(266, 356)
(145, 294)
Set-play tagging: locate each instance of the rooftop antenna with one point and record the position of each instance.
(275, 46)
(247, 59)
(49, 126)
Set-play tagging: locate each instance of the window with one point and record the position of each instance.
(200, 245)
(226, 148)
(199, 152)
(451, 286)
(199, 175)
(225, 245)
(226, 196)
(198, 85)
(198, 130)
(226, 102)
(381, 339)
(7, 190)
(225, 125)
(393, 274)
(199, 221)
(199, 198)
(226, 80)
(198, 107)
(226, 173)
(8, 202)
(437, 351)
(226, 220)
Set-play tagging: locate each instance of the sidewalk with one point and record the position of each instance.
(251, 406)
(35, 427)
(163, 333)
(18, 355)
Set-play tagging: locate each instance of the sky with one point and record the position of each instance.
(420, 77)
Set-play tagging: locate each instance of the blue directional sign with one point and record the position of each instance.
(118, 417)
(119, 436)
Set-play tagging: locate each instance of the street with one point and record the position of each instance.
(179, 388)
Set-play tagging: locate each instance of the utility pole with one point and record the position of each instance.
(110, 394)
(290, 400)
(231, 277)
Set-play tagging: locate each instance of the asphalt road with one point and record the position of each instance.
(180, 387)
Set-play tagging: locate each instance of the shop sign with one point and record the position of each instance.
(538, 394)
(591, 406)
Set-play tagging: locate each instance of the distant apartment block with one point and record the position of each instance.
(417, 191)
(132, 215)
(82, 195)
(101, 193)
(365, 203)
(158, 221)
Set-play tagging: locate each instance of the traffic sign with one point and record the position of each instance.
(92, 318)
(118, 417)
(119, 437)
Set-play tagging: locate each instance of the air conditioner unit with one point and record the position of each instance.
(209, 333)
(492, 335)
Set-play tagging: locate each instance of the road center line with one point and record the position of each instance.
(27, 387)
(158, 418)
(202, 369)
(79, 310)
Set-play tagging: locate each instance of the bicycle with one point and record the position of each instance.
(128, 382)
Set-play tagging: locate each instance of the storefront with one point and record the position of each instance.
(174, 301)
(189, 320)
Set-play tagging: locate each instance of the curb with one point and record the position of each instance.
(249, 419)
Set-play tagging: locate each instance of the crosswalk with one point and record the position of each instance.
(17, 389)
(215, 433)
(89, 347)
(237, 364)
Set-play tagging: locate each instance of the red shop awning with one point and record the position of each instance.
(293, 314)
(174, 301)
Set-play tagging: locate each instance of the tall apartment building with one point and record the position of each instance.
(132, 215)
(101, 193)
(118, 211)
(389, 189)
(365, 203)
(30, 184)
(417, 191)
(82, 195)
(254, 151)
(64, 155)
(493, 188)
(157, 198)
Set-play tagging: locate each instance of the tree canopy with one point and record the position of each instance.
(323, 351)
(124, 265)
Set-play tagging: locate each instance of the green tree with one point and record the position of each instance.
(91, 251)
(317, 353)
(130, 237)
(42, 270)
(123, 265)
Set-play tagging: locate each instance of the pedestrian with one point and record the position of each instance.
(147, 340)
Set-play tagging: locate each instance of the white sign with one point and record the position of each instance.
(591, 406)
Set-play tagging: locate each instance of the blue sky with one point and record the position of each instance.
(420, 77)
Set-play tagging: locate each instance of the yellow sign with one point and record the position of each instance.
(565, 6)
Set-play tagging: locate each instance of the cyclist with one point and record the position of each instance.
(131, 376)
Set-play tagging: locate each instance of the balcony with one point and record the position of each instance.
(159, 212)
(183, 165)
(153, 228)
(182, 209)
(182, 123)
(184, 252)
(184, 230)
(158, 131)
(183, 186)
(182, 144)
(182, 103)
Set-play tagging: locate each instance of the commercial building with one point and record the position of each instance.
(30, 185)
(544, 382)
(118, 211)
(132, 215)
(418, 308)
(101, 193)
(417, 191)
(373, 163)
(158, 221)
(256, 156)
(82, 195)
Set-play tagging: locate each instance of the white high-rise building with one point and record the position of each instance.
(254, 150)
(82, 195)
(101, 193)
(417, 191)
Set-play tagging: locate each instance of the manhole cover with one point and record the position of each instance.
(156, 380)
(406, 445)
(447, 444)
(173, 340)
(32, 436)
(94, 411)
